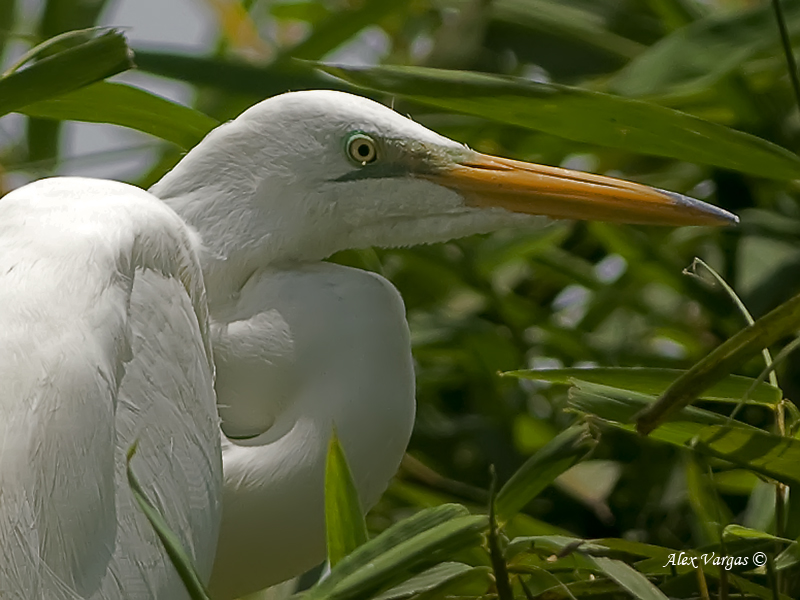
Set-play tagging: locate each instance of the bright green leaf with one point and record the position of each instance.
(733, 531)
(127, 106)
(721, 361)
(702, 431)
(654, 381)
(65, 71)
(345, 527)
(177, 555)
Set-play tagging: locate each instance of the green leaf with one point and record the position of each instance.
(345, 528)
(65, 71)
(398, 533)
(7, 14)
(127, 106)
(177, 555)
(721, 361)
(789, 557)
(63, 15)
(341, 26)
(568, 21)
(405, 549)
(702, 431)
(234, 77)
(629, 579)
(475, 583)
(654, 381)
(733, 532)
(539, 471)
(709, 511)
(426, 581)
(580, 115)
(696, 56)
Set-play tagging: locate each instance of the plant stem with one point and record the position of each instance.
(787, 49)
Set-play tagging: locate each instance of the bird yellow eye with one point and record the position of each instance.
(361, 149)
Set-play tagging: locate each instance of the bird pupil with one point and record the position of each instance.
(363, 150)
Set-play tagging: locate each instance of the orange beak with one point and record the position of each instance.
(489, 181)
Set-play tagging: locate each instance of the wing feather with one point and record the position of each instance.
(103, 340)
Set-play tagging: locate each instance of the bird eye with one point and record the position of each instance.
(361, 148)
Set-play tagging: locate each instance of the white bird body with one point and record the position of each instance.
(331, 350)
(98, 284)
(300, 346)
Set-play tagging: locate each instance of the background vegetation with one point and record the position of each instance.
(687, 95)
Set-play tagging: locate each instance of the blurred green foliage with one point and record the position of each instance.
(687, 95)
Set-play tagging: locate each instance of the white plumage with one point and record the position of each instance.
(99, 284)
(104, 340)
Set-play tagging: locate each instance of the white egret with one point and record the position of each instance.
(299, 345)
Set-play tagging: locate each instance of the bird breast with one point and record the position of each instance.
(304, 350)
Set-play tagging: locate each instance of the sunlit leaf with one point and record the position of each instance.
(734, 531)
(86, 63)
(702, 431)
(127, 106)
(345, 527)
(654, 381)
(177, 555)
(722, 360)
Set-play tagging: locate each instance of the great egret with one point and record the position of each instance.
(300, 345)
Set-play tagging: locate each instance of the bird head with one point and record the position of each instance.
(302, 175)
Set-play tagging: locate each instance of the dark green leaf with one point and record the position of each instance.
(580, 115)
(62, 15)
(234, 77)
(7, 14)
(568, 21)
(120, 104)
(694, 57)
(345, 527)
(71, 69)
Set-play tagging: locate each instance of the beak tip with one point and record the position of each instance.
(720, 216)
